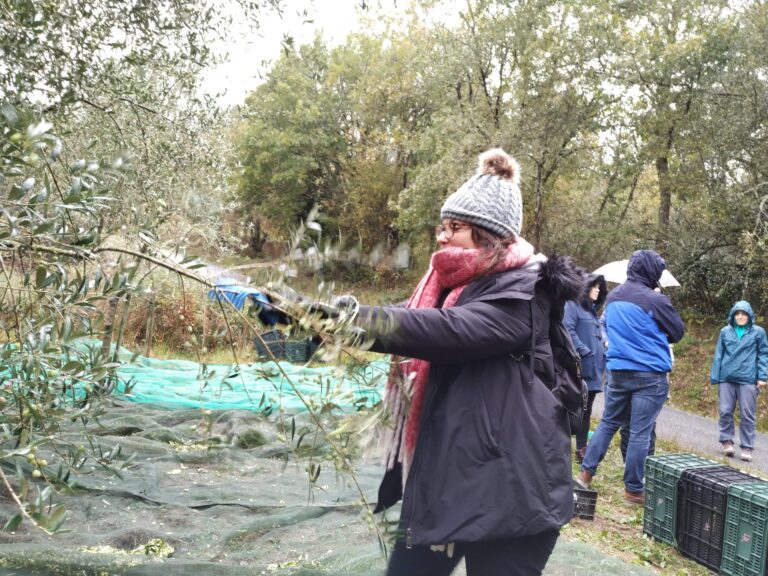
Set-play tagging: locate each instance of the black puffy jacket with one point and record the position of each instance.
(492, 458)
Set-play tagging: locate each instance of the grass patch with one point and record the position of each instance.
(245, 355)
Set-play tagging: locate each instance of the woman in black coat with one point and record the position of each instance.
(582, 321)
(476, 444)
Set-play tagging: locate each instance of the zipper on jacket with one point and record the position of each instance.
(414, 471)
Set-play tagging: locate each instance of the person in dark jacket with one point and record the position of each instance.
(740, 367)
(476, 446)
(583, 324)
(641, 324)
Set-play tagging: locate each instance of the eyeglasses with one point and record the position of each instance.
(448, 230)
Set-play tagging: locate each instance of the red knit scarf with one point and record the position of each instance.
(450, 269)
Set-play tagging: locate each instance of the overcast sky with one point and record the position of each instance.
(239, 75)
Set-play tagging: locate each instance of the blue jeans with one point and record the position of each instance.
(746, 395)
(643, 395)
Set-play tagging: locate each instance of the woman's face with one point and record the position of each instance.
(455, 234)
(741, 318)
(594, 292)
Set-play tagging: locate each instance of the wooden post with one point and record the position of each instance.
(121, 331)
(149, 332)
(109, 325)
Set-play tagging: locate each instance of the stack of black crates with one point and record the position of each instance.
(273, 344)
(714, 514)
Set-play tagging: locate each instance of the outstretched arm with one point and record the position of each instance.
(449, 335)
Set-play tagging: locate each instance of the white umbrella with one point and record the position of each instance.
(617, 272)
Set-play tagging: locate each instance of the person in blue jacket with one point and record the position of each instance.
(583, 324)
(740, 367)
(641, 324)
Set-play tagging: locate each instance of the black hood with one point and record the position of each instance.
(589, 282)
(646, 266)
(562, 280)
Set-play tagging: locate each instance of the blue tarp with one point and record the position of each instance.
(237, 295)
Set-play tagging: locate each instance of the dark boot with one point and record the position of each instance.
(634, 497)
(583, 479)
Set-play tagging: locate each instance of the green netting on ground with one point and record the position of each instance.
(257, 386)
(226, 493)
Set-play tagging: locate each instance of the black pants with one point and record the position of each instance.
(583, 431)
(524, 556)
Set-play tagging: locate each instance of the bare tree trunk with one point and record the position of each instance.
(665, 203)
(150, 329)
(539, 210)
(109, 325)
(107, 384)
(121, 331)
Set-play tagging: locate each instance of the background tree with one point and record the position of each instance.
(292, 145)
(637, 126)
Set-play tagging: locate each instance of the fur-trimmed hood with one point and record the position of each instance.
(589, 281)
(562, 280)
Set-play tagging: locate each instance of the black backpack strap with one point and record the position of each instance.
(532, 355)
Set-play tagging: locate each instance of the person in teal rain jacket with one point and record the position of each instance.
(740, 368)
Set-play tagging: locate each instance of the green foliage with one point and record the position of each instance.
(292, 144)
(134, 151)
(120, 80)
(63, 53)
(636, 125)
(51, 283)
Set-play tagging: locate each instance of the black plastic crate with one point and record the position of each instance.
(584, 503)
(702, 499)
(272, 340)
(662, 474)
(746, 530)
(313, 344)
(297, 350)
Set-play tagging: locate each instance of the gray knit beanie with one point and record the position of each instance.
(491, 198)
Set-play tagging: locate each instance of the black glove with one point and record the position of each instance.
(347, 303)
(322, 309)
(273, 298)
